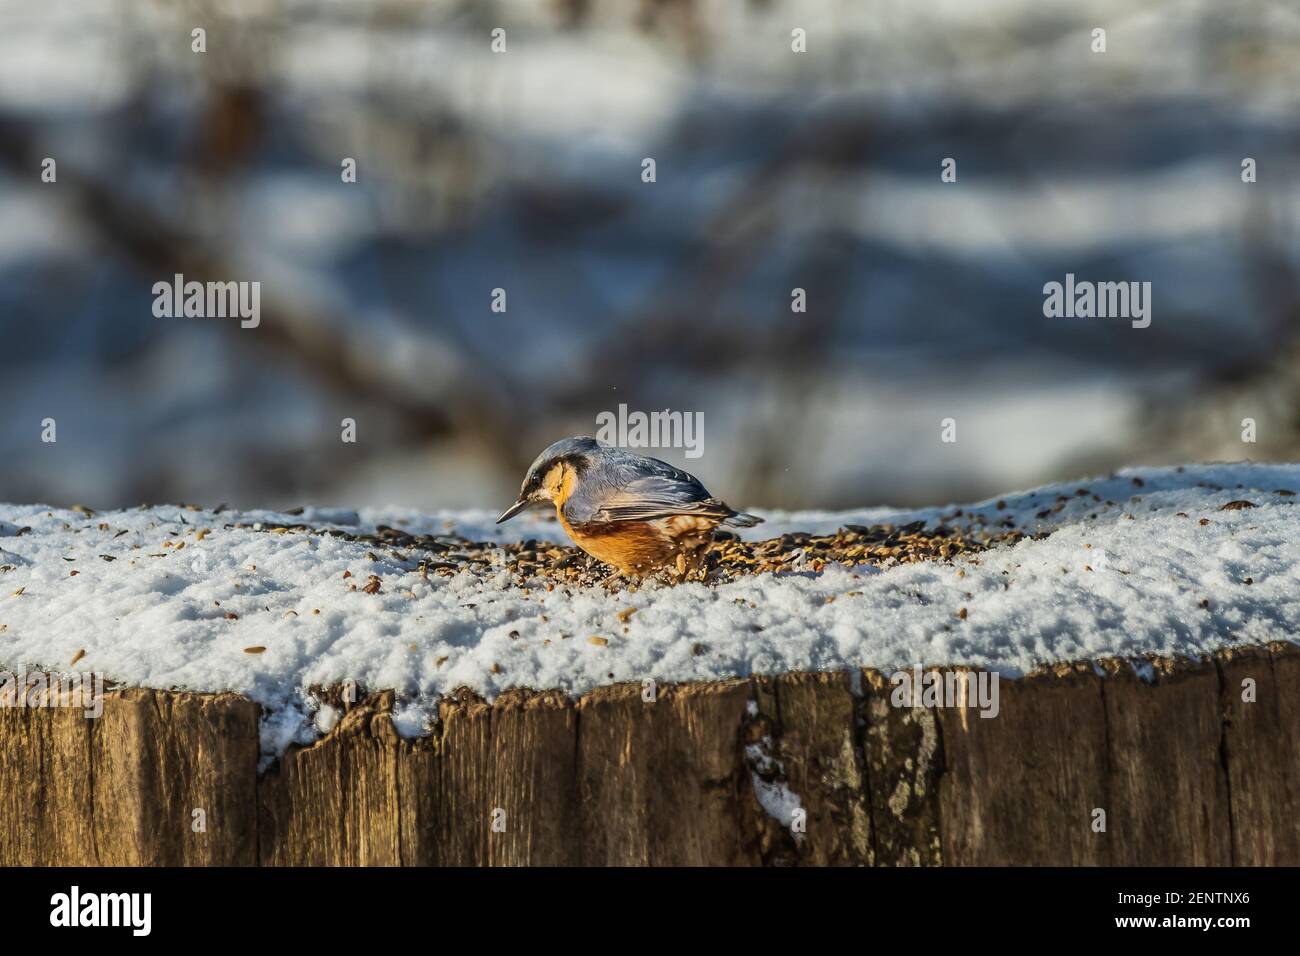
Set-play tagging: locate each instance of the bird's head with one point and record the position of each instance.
(551, 475)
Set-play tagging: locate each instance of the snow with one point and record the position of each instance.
(1127, 570)
(773, 792)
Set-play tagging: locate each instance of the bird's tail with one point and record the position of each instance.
(742, 520)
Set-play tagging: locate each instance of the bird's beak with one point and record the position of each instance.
(513, 510)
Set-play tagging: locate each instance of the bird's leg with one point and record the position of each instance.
(693, 559)
(702, 562)
(706, 566)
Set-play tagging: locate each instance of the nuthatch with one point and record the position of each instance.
(638, 514)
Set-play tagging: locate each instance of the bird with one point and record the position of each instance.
(636, 513)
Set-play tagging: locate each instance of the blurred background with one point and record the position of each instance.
(522, 171)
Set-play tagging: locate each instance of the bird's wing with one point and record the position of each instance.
(656, 496)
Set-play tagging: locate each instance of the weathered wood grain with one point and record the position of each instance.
(664, 780)
(903, 759)
(495, 785)
(335, 803)
(1168, 790)
(1185, 768)
(46, 803)
(123, 789)
(1020, 788)
(815, 740)
(1262, 752)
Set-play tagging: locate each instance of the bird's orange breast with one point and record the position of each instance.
(634, 547)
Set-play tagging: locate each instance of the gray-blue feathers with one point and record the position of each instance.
(616, 485)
